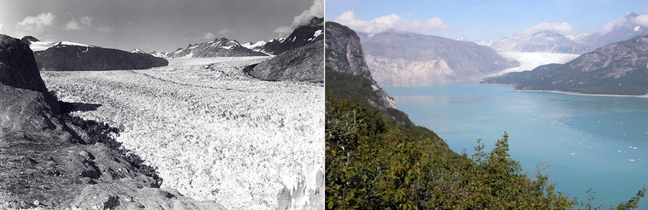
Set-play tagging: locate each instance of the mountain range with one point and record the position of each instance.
(620, 69)
(621, 29)
(543, 41)
(223, 47)
(410, 59)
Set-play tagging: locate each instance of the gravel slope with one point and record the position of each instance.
(213, 132)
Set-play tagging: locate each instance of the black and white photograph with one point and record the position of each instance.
(162, 104)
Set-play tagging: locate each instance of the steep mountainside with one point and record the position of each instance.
(344, 54)
(620, 68)
(74, 57)
(221, 47)
(409, 59)
(543, 41)
(51, 160)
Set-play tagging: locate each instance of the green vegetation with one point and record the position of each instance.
(374, 163)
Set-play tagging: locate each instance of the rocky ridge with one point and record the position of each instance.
(220, 47)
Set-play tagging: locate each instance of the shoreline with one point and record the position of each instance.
(582, 94)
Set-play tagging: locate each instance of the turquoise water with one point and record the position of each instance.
(597, 142)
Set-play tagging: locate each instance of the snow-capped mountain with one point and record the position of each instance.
(220, 47)
(543, 41)
(300, 37)
(160, 54)
(223, 47)
(138, 50)
(72, 56)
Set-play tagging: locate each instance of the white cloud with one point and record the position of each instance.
(642, 20)
(390, 22)
(315, 10)
(85, 20)
(224, 32)
(208, 35)
(561, 28)
(85, 23)
(626, 21)
(1, 28)
(73, 25)
(34, 25)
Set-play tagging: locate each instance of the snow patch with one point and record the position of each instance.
(637, 28)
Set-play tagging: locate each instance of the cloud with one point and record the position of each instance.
(626, 21)
(315, 10)
(390, 22)
(225, 31)
(72, 25)
(208, 35)
(85, 20)
(561, 28)
(1, 28)
(642, 20)
(85, 23)
(34, 25)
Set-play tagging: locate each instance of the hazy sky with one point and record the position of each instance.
(479, 20)
(153, 24)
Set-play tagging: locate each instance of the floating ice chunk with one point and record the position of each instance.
(629, 147)
(634, 148)
(618, 150)
(573, 153)
(631, 160)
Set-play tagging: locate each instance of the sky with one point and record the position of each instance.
(478, 20)
(162, 25)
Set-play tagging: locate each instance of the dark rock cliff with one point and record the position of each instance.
(17, 66)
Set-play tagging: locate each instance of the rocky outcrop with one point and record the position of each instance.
(17, 66)
(300, 64)
(62, 57)
(221, 47)
(410, 59)
(620, 69)
(51, 160)
(344, 54)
